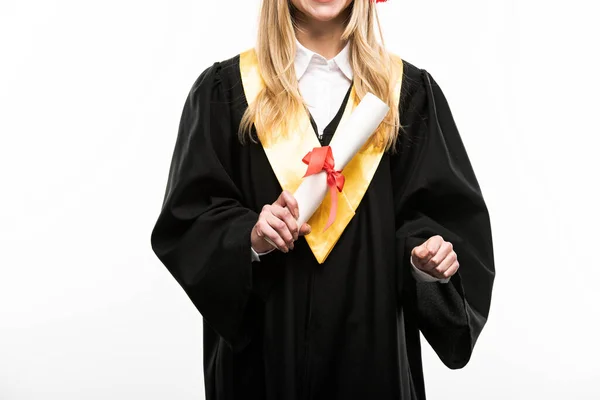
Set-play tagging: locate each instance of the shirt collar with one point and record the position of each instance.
(304, 56)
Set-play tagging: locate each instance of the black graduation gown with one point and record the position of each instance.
(288, 327)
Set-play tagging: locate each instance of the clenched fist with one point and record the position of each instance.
(436, 257)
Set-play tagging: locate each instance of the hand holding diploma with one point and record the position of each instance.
(277, 225)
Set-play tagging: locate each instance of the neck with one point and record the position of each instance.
(322, 37)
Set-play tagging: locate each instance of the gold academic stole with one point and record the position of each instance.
(285, 153)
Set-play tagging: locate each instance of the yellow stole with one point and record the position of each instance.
(285, 153)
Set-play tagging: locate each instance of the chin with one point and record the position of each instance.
(324, 10)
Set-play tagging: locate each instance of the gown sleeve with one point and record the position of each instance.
(202, 234)
(436, 193)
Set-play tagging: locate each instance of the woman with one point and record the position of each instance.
(337, 313)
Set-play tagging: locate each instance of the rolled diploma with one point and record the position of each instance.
(353, 134)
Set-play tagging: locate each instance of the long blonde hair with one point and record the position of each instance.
(280, 98)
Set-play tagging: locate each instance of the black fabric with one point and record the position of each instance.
(288, 327)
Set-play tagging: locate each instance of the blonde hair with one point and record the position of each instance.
(280, 98)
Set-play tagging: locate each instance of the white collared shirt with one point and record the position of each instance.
(323, 84)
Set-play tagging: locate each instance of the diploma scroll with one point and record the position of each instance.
(354, 133)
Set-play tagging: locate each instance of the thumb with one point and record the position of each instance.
(305, 229)
(421, 253)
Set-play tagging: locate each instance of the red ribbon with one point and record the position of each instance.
(321, 159)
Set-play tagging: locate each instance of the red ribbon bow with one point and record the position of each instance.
(380, 1)
(321, 159)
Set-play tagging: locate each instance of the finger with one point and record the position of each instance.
(286, 199)
(305, 229)
(434, 243)
(281, 228)
(280, 200)
(269, 234)
(421, 254)
(452, 270)
(445, 264)
(444, 250)
(290, 203)
(286, 216)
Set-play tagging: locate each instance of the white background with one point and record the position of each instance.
(90, 99)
